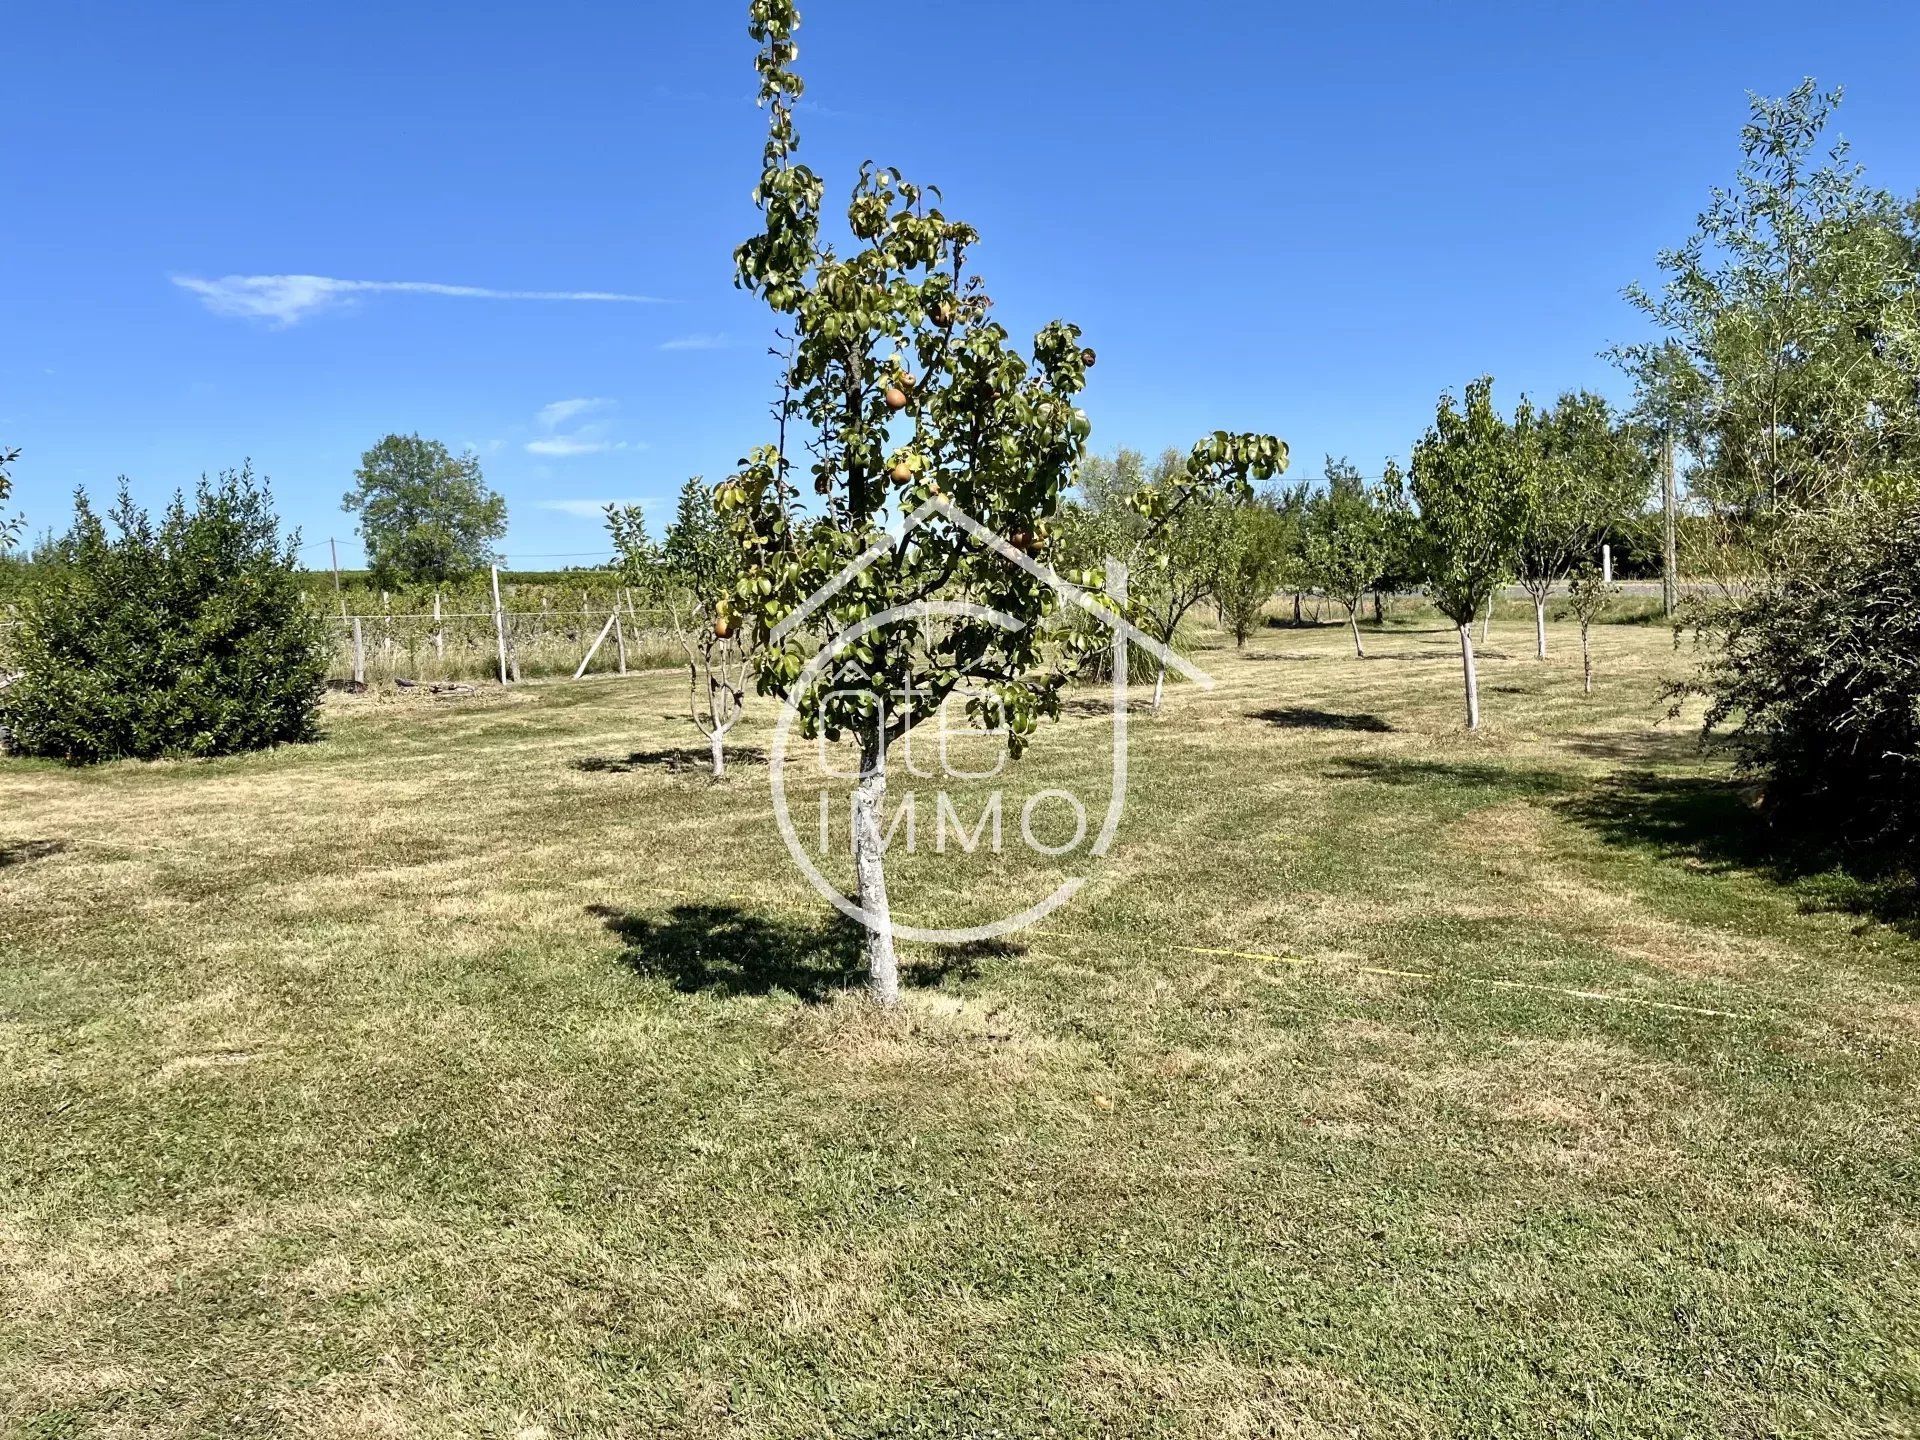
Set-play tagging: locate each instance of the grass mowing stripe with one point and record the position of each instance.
(1478, 980)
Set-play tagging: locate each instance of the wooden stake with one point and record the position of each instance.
(499, 625)
(587, 659)
(359, 654)
(439, 634)
(620, 640)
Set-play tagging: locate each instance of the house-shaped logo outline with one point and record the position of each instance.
(1125, 633)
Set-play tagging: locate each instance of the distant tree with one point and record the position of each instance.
(1172, 564)
(1588, 593)
(190, 637)
(1582, 476)
(691, 576)
(1096, 521)
(1467, 483)
(1347, 541)
(426, 515)
(1248, 566)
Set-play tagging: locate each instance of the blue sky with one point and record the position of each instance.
(1303, 219)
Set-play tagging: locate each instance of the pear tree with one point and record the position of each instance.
(898, 386)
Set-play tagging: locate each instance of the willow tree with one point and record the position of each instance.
(1790, 364)
(1467, 481)
(904, 389)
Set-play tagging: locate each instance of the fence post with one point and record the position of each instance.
(1669, 537)
(593, 649)
(359, 654)
(620, 639)
(499, 625)
(1606, 564)
(439, 632)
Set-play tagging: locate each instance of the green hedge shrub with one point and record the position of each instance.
(1817, 680)
(190, 637)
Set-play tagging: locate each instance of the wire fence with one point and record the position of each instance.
(474, 646)
(379, 647)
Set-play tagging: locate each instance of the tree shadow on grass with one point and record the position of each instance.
(1712, 824)
(19, 852)
(674, 760)
(1501, 781)
(1302, 717)
(721, 949)
(1643, 746)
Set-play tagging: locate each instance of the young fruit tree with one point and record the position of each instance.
(1583, 476)
(1173, 563)
(907, 390)
(1348, 537)
(1248, 567)
(691, 576)
(1402, 569)
(1589, 593)
(1467, 484)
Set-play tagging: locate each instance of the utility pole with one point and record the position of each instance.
(1670, 561)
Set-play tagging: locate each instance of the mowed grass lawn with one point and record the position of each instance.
(481, 1071)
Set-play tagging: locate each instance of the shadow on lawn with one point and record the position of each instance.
(19, 852)
(1503, 781)
(1303, 717)
(1645, 747)
(1712, 824)
(675, 760)
(720, 949)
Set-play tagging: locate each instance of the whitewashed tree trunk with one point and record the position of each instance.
(1472, 677)
(717, 742)
(1486, 621)
(1539, 628)
(1586, 659)
(1353, 624)
(1159, 684)
(869, 868)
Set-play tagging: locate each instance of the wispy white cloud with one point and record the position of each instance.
(589, 509)
(560, 411)
(568, 445)
(696, 342)
(593, 438)
(289, 299)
